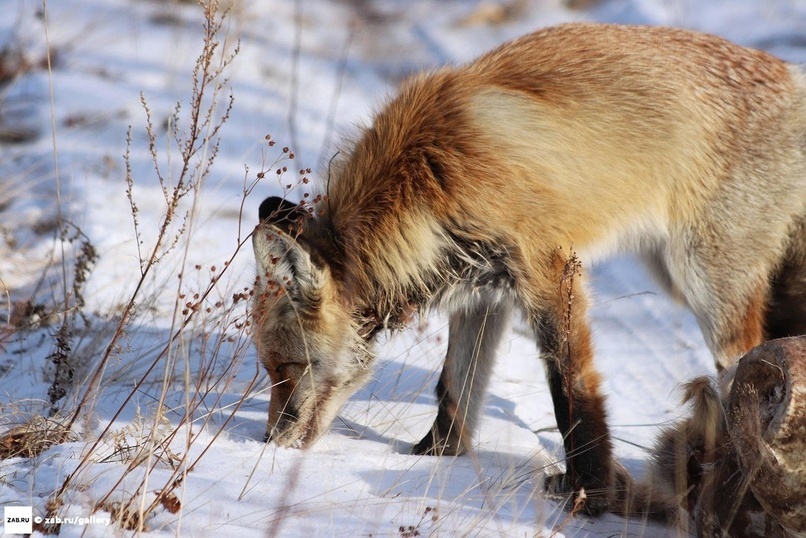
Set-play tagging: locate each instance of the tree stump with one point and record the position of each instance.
(766, 415)
(738, 462)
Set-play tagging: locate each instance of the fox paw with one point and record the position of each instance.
(591, 500)
(432, 445)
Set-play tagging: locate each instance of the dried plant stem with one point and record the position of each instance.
(199, 145)
(570, 271)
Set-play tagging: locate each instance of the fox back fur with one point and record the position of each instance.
(473, 188)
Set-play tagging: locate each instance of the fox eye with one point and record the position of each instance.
(288, 364)
(282, 366)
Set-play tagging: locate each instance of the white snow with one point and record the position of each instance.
(306, 73)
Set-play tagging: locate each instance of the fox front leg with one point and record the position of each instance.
(474, 335)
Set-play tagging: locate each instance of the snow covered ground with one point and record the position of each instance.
(306, 73)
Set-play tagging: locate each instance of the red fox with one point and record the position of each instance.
(472, 186)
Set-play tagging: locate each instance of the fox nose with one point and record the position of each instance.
(272, 434)
(288, 416)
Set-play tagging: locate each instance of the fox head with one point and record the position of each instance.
(305, 330)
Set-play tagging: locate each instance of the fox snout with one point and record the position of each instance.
(300, 409)
(279, 429)
(286, 425)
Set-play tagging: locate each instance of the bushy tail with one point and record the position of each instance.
(644, 500)
(682, 458)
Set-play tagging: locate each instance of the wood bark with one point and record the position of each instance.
(766, 415)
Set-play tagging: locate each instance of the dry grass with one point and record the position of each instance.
(160, 446)
(15, 62)
(210, 320)
(30, 439)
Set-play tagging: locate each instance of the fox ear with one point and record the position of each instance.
(285, 265)
(286, 215)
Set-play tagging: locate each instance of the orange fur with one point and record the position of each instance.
(679, 147)
(750, 331)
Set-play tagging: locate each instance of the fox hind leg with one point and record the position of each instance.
(786, 313)
(728, 296)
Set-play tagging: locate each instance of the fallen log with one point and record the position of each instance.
(738, 462)
(767, 422)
